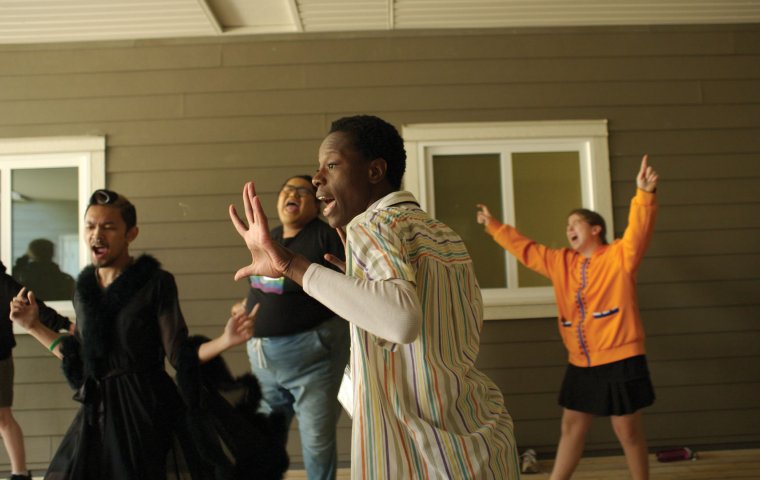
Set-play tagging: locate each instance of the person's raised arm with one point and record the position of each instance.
(389, 309)
(239, 329)
(641, 217)
(26, 313)
(530, 253)
(53, 320)
(399, 319)
(268, 258)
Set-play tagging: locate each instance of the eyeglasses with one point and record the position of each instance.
(300, 192)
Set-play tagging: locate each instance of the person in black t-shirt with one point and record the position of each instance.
(300, 348)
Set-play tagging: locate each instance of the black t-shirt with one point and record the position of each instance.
(285, 308)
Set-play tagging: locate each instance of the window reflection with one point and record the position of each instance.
(44, 242)
(461, 182)
(547, 185)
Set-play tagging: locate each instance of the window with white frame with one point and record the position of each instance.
(45, 184)
(529, 174)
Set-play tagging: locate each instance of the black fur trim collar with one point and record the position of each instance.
(101, 307)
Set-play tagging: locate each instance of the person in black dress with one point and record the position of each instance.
(134, 422)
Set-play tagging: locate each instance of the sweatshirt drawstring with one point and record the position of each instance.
(258, 348)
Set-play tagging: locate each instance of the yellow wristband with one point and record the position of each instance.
(56, 342)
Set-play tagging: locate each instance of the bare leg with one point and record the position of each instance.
(630, 433)
(13, 438)
(575, 425)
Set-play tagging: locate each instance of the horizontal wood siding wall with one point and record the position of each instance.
(188, 121)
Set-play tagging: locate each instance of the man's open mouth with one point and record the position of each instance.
(329, 204)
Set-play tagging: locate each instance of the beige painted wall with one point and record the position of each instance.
(188, 121)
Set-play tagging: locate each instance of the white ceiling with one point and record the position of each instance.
(44, 21)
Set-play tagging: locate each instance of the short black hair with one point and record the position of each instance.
(42, 249)
(113, 199)
(593, 219)
(375, 138)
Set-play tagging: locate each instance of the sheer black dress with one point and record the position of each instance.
(134, 422)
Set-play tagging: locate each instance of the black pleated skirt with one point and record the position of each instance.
(618, 388)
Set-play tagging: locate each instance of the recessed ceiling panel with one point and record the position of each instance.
(261, 15)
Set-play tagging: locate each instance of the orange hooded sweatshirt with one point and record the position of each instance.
(596, 297)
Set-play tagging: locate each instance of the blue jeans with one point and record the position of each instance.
(300, 375)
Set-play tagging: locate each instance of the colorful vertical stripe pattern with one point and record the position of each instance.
(422, 410)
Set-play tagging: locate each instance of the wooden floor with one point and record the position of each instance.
(710, 465)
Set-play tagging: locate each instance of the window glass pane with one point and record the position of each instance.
(45, 223)
(461, 182)
(547, 185)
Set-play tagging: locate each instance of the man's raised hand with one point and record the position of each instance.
(24, 310)
(268, 258)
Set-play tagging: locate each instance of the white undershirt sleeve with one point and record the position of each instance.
(389, 309)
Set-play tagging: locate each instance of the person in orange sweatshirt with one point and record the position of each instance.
(599, 321)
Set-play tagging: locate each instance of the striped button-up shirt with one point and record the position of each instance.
(423, 410)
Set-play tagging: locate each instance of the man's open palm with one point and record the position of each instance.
(268, 258)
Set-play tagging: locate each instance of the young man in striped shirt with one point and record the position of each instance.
(421, 408)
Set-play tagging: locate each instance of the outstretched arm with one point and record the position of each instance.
(239, 329)
(389, 309)
(641, 217)
(267, 257)
(26, 313)
(533, 255)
